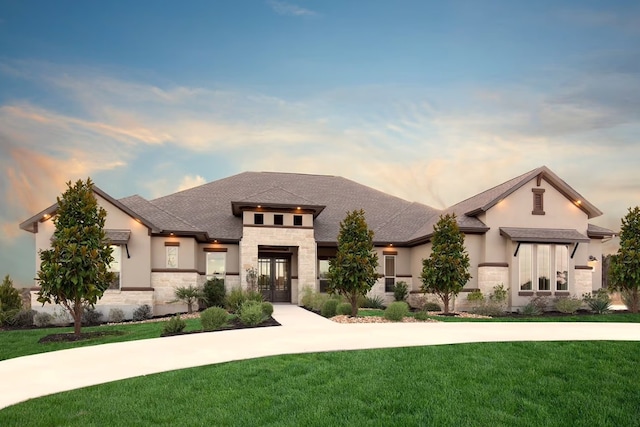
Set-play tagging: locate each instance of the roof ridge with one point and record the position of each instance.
(516, 179)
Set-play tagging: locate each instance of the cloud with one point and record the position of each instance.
(283, 8)
(190, 181)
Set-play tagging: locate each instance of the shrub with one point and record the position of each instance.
(175, 325)
(541, 302)
(213, 318)
(329, 308)
(6, 317)
(475, 296)
(42, 319)
(318, 300)
(627, 298)
(253, 295)
(362, 301)
(9, 296)
(375, 301)
(116, 315)
(235, 299)
(267, 308)
(23, 318)
(91, 317)
(431, 306)
(344, 308)
(567, 305)
(499, 294)
(251, 313)
(531, 309)
(488, 308)
(142, 313)
(396, 311)
(400, 291)
(213, 292)
(421, 315)
(307, 296)
(599, 303)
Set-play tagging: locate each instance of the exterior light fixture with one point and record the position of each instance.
(592, 258)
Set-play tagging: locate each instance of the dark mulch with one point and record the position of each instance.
(71, 337)
(235, 323)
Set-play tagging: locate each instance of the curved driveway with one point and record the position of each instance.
(301, 332)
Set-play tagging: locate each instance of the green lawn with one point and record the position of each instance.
(503, 384)
(610, 318)
(23, 342)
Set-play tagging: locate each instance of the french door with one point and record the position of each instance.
(274, 278)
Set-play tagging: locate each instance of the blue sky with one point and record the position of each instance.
(429, 101)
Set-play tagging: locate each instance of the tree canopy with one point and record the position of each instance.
(74, 272)
(353, 271)
(624, 272)
(446, 271)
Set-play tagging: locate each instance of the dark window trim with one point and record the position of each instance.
(258, 218)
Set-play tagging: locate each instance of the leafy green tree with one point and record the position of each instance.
(74, 272)
(446, 270)
(353, 271)
(624, 272)
(9, 296)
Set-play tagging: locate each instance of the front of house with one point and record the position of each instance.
(531, 234)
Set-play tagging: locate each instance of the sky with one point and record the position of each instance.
(430, 101)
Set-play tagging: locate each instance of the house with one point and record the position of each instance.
(531, 234)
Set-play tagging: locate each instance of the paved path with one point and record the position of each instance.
(301, 332)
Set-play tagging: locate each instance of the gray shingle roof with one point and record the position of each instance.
(208, 206)
(118, 236)
(597, 231)
(213, 208)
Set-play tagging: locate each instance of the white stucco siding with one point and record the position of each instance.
(515, 211)
(418, 253)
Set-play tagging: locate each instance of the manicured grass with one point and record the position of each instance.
(610, 318)
(24, 342)
(507, 384)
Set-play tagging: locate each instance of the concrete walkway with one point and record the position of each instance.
(301, 332)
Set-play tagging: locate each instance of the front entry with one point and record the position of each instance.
(274, 279)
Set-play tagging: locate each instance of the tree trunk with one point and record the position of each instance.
(189, 307)
(354, 304)
(77, 317)
(635, 300)
(445, 303)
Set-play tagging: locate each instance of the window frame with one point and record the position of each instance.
(278, 219)
(297, 220)
(536, 260)
(258, 218)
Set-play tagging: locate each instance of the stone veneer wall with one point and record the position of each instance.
(582, 282)
(488, 277)
(378, 291)
(302, 238)
(164, 285)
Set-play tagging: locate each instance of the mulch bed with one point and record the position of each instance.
(71, 337)
(233, 324)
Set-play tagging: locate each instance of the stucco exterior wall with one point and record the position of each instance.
(418, 253)
(186, 252)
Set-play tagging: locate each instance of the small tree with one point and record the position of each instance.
(74, 272)
(446, 270)
(625, 264)
(9, 296)
(353, 271)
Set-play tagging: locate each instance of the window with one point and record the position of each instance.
(536, 263)
(323, 274)
(526, 271)
(544, 272)
(278, 219)
(389, 273)
(172, 256)
(216, 264)
(297, 220)
(116, 266)
(538, 201)
(258, 219)
(562, 268)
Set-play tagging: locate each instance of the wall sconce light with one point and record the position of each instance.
(592, 258)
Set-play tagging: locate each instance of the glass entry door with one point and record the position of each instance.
(274, 280)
